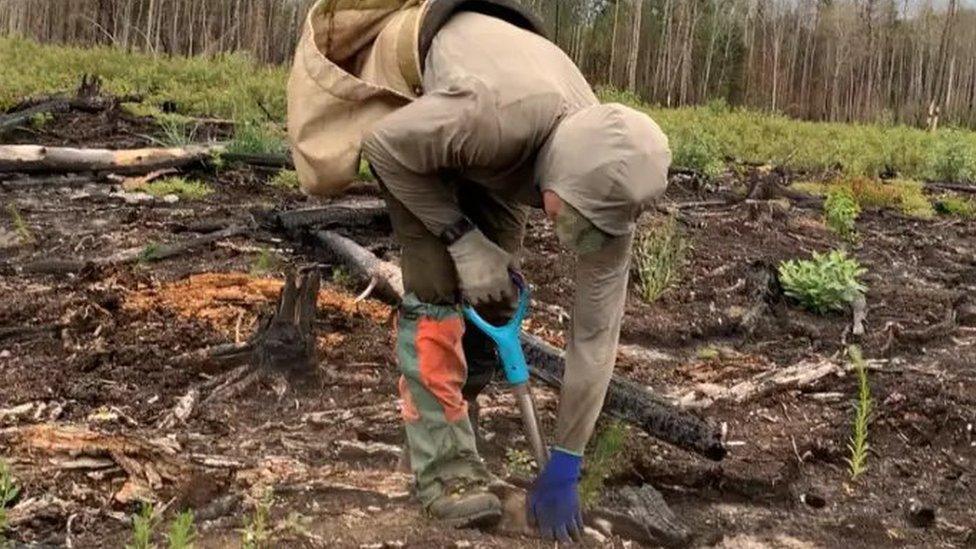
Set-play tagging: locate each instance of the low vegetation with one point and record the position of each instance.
(258, 137)
(255, 534)
(20, 226)
(703, 138)
(229, 86)
(905, 196)
(840, 213)
(659, 252)
(826, 282)
(8, 494)
(144, 525)
(858, 443)
(956, 206)
(603, 460)
(182, 532)
(189, 189)
(286, 179)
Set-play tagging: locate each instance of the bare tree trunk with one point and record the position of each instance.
(634, 46)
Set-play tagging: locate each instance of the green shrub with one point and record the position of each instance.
(696, 149)
(827, 282)
(840, 213)
(659, 253)
(952, 157)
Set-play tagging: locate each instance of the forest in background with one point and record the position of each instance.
(904, 61)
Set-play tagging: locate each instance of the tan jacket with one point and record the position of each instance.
(358, 61)
(507, 110)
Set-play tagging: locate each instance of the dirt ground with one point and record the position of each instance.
(90, 358)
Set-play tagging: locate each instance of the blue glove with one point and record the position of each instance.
(554, 499)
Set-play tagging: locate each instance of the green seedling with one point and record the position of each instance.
(8, 493)
(604, 459)
(143, 526)
(659, 254)
(342, 277)
(255, 533)
(827, 282)
(149, 253)
(20, 226)
(265, 262)
(858, 443)
(182, 532)
(840, 213)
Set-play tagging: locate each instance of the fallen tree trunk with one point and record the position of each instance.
(15, 119)
(625, 400)
(36, 158)
(367, 213)
(389, 279)
(148, 254)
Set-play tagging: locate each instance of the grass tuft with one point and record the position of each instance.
(858, 443)
(659, 253)
(603, 460)
(286, 179)
(190, 189)
(827, 282)
(257, 137)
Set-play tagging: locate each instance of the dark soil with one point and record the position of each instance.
(95, 349)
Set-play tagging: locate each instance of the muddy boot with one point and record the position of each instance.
(473, 507)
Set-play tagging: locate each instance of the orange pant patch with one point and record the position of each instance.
(441, 363)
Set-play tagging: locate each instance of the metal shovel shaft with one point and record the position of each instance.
(523, 396)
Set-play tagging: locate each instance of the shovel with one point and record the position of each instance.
(506, 339)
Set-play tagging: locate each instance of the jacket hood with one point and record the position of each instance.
(607, 161)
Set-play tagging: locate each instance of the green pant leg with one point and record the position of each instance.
(429, 352)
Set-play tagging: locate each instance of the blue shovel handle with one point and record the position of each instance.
(506, 337)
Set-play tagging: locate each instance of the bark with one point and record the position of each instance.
(36, 158)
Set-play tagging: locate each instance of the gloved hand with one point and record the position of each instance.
(482, 268)
(554, 499)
